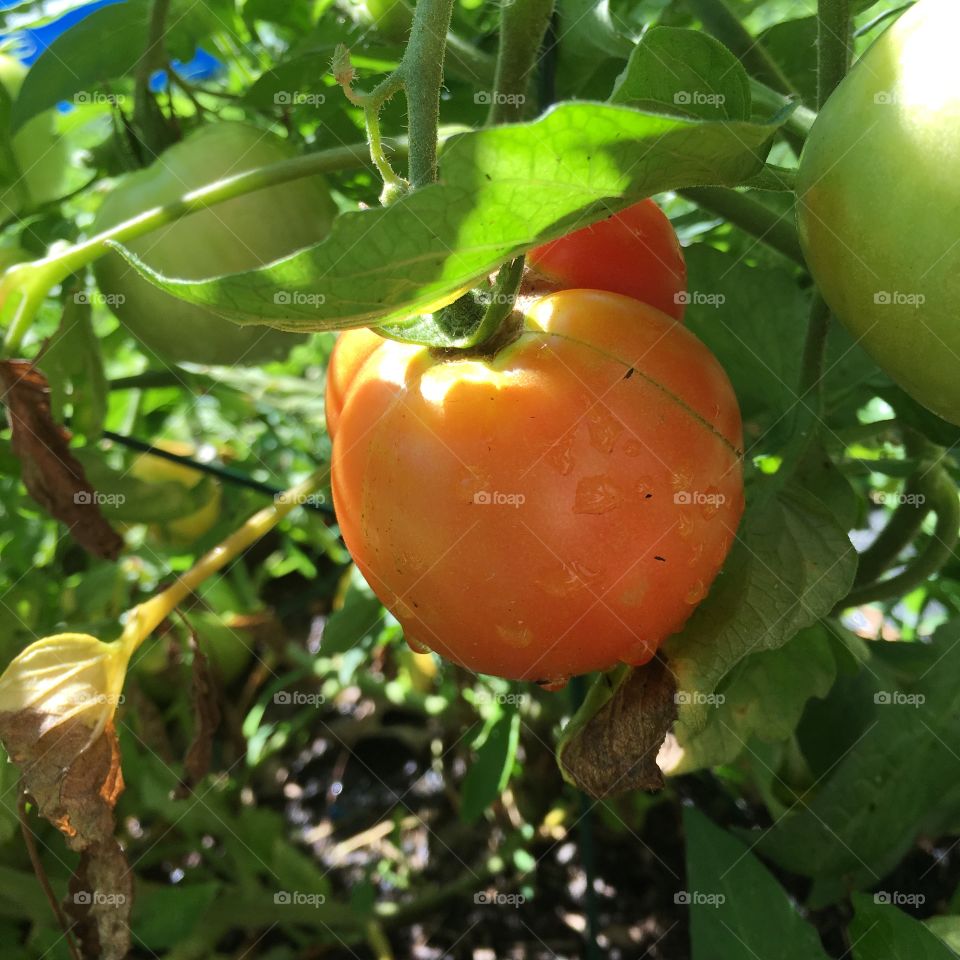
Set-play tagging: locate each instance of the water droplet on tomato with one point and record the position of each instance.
(604, 429)
(685, 525)
(597, 495)
(696, 593)
(696, 553)
(417, 646)
(568, 578)
(634, 593)
(710, 504)
(516, 635)
(639, 653)
(560, 454)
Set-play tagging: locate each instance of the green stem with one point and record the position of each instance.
(422, 68)
(942, 497)
(834, 45)
(24, 287)
(801, 119)
(150, 122)
(768, 226)
(502, 303)
(146, 617)
(814, 353)
(774, 178)
(900, 531)
(523, 24)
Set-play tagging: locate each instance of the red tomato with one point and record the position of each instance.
(554, 509)
(349, 353)
(634, 252)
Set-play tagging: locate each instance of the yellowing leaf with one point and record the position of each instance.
(66, 676)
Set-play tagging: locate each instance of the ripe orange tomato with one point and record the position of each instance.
(634, 252)
(551, 510)
(349, 354)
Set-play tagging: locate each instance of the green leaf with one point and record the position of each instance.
(489, 775)
(790, 564)
(358, 620)
(103, 47)
(880, 931)
(687, 72)
(737, 909)
(793, 45)
(753, 319)
(762, 697)
(893, 781)
(164, 915)
(501, 191)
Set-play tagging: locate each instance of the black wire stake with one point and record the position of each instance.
(225, 474)
(588, 855)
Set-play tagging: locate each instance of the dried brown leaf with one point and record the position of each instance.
(611, 745)
(51, 474)
(75, 785)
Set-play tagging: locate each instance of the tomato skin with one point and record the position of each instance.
(237, 235)
(520, 516)
(39, 153)
(350, 352)
(878, 203)
(634, 252)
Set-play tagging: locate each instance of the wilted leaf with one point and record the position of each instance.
(611, 745)
(75, 785)
(51, 474)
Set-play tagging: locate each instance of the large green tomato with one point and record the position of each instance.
(240, 234)
(39, 153)
(879, 203)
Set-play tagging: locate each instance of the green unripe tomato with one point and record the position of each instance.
(40, 154)
(240, 234)
(879, 203)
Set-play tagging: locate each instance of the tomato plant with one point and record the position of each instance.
(556, 508)
(634, 252)
(574, 543)
(893, 120)
(243, 233)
